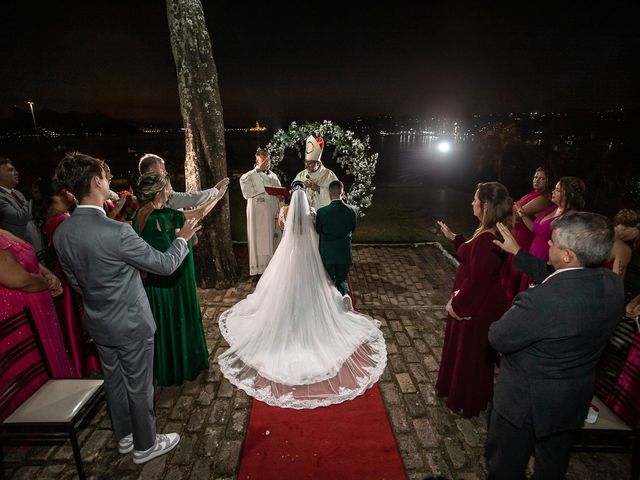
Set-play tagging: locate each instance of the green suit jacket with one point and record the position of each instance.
(335, 224)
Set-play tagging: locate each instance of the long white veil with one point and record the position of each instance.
(292, 342)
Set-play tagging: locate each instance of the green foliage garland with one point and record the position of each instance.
(352, 154)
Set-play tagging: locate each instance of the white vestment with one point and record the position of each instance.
(295, 342)
(323, 177)
(263, 233)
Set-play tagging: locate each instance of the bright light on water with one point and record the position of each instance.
(444, 147)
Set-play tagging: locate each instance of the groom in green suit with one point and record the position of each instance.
(335, 224)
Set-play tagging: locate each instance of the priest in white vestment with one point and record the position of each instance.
(316, 177)
(263, 233)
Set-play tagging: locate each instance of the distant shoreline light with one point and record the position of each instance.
(256, 128)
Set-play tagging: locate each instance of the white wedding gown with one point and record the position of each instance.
(293, 343)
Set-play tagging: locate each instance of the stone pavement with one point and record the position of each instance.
(406, 288)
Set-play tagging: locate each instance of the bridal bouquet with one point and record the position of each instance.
(124, 207)
(130, 204)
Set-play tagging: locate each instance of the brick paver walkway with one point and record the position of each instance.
(406, 288)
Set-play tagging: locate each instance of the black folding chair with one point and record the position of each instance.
(57, 409)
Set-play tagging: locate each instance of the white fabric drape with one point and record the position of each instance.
(263, 234)
(293, 342)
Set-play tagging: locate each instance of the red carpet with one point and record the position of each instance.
(351, 440)
(348, 441)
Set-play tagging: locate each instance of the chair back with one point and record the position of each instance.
(613, 358)
(618, 374)
(23, 364)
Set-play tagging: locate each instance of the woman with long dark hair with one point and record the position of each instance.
(567, 196)
(51, 206)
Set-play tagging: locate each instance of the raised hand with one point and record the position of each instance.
(118, 207)
(509, 243)
(224, 183)
(312, 185)
(446, 231)
(189, 228)
(222, 190)
(203, 210)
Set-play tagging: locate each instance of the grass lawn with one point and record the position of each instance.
(397, 215)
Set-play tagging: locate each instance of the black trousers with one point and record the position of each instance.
(509, 448)
(338, 273)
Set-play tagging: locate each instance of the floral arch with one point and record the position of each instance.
(352, 154)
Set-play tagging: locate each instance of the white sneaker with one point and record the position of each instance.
(164, 444)
(125, 445)
(347, 303)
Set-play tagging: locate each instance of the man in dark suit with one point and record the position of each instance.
(550, 341)
(102, 258)
(335, 224)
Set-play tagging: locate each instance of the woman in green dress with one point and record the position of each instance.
(180, 347)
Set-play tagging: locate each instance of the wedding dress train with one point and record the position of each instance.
(294, 342)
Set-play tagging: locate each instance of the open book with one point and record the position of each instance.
(279, 191)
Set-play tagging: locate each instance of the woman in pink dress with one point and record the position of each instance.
(566, 197)
(478, 299)
(534, 202)
(624, 397)
(51, 204)
(26, 283)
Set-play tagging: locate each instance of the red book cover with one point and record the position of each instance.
(279, 191)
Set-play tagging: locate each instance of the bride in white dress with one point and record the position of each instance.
(295, 342)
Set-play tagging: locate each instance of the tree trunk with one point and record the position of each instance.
(205, 161)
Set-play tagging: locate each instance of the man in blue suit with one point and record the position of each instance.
(335, 224)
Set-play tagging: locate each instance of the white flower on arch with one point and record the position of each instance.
(352, 154)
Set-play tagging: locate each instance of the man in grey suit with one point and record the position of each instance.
(550, 341)
(102, 259)
(151, 163)
(15, 211)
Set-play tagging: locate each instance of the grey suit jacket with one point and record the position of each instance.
(180, 200)
(15, 217)
(550, 340)
(102, 259)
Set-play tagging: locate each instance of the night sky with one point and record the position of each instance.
(335, 61)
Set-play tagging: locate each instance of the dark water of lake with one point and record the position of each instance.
(415, 181)
(402, 161)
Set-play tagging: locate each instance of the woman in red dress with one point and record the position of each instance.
(534, 202)
(478, 299)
